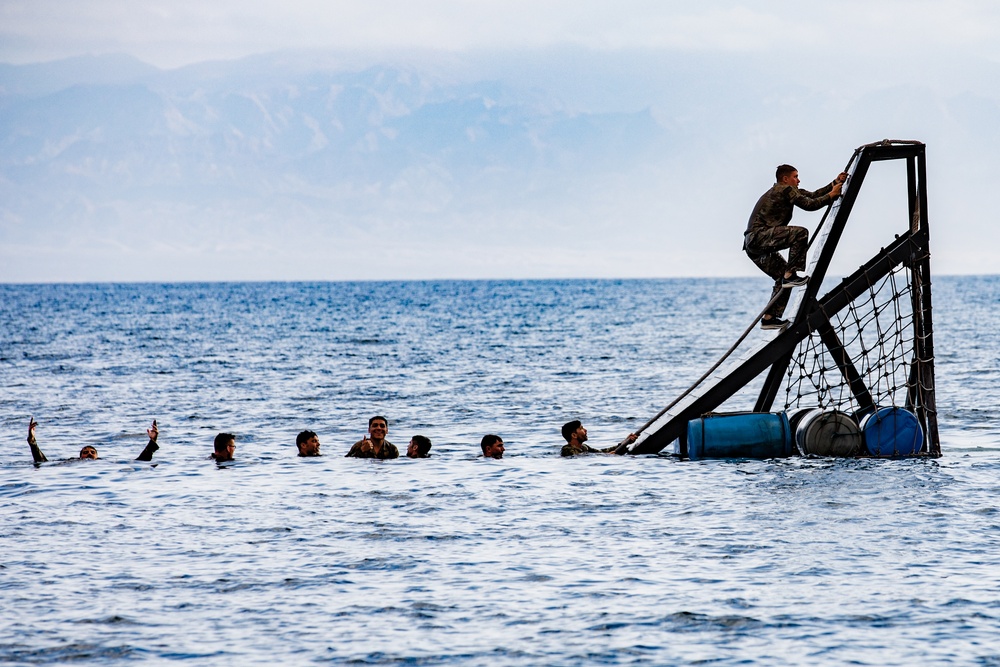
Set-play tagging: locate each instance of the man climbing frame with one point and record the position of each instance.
(768, 232)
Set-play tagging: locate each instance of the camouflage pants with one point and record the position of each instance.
(763, 247)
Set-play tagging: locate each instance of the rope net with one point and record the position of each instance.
(877, 333)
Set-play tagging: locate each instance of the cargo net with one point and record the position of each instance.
(877, 332)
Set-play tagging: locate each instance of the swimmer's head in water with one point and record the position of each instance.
(88, 452)
(492, 446)
(572, 428)
(420, 447)
(378, 427)
(307, 443)
(225, 447)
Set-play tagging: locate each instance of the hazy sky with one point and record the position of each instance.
(178, 32)
(903, 69)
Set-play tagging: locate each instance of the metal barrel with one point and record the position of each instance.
(828, 433)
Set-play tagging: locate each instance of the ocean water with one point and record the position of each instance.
(458, 560)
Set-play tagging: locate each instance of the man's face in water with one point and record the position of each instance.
(88, 452)
(228, 453)
(378, 429)
(494, 451)
(310, 447)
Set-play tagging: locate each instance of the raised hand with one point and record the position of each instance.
(36, 453)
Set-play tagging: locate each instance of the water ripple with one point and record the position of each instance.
(456, 560)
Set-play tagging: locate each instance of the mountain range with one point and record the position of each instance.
(326, 166)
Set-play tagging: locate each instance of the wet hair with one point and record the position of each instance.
(303, 437)
(86, 447)
(569, 428)
(423, 444)
(222, 441)
(488, 441)
(782, 171)
(378, 417)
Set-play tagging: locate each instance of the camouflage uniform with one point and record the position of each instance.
(768, 232)
(583, 448)
(36, 453)
(388, 451)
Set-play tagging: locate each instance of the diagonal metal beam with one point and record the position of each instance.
(902, 249)
(840, 356)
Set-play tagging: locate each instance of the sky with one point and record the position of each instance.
(180, 32)
(940, 58)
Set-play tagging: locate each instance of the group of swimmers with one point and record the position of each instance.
(371, 446)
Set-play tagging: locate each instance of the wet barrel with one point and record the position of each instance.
(892, 432)
(828, 433)
(739, 435)
(795, 417)
(793, 422)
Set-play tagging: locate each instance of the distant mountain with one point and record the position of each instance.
(210, 134)
(45, 78)
(568, 162)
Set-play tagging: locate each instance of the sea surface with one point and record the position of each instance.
(456, 560)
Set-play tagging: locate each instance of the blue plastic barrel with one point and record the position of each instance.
(892, 432)
(739, 435)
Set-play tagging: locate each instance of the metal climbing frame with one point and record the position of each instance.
(910, 250)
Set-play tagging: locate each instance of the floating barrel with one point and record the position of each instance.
(827, 433)
(795, 417)
(892, 432)
(739, 435)
(793, 421)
